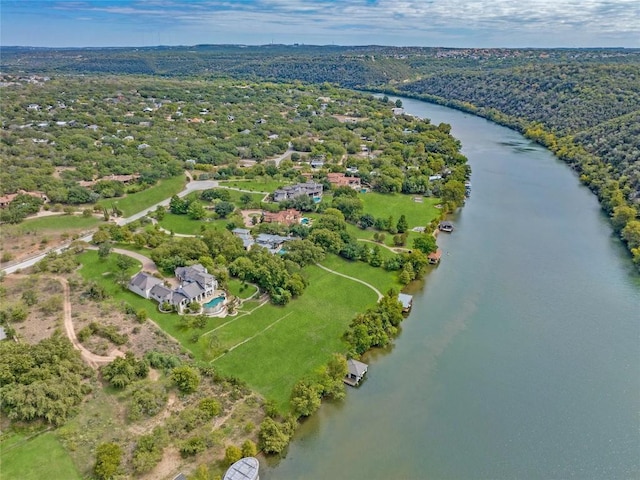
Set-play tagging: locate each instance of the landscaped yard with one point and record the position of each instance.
(266, 184)
(240, 289)
(187, 226)
(378, 277)
(394, 204)
(36, 458)
(139, 201)
(286, 343)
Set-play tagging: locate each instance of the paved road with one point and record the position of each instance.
(193, 186)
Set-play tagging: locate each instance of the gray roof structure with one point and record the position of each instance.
(244, 469)
(190, 290)
(356, 368)
(160, 291)
(144, 281)
(405, 300)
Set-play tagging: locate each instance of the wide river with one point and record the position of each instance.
(521, 357)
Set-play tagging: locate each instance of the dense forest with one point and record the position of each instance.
(583, 104)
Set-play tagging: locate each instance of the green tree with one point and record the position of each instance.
(305, 398)
(108, 460)
(249, 449)
(273, 436)
(231, 455)
(196, 211)
(186, 378)
(425, 243)
(402, 225)
(223, 209)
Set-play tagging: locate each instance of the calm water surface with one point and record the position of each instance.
(521, 358)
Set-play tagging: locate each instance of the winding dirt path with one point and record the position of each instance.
(354, 279)
(91, 358)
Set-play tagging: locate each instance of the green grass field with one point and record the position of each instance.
(307, 332)
(234, 196)
(385, 205)
(235, 288)
(257, 185)
(139, 201)
(36, 458)
(58, 222)
(378, 277)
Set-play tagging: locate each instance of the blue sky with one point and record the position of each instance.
(449, 23)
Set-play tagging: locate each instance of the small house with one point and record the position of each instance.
(434, 257)
(406, 301)
(355, 372)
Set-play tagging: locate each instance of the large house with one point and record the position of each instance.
(196, 285)
(287, 217)
(273, 243)
(310, 189)
(341, 180)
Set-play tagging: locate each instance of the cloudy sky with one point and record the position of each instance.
(449, 23)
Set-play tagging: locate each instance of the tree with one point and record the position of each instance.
(621, 216)
(108, 460)
(402, 225)
(231, 455)
(367, 220)
(273, 436)
(249, 449)
(245, 199)
(399, 103)
(453, 192)
(178, 206)
(631, 233)
(305, 398)
(186, 378)
(196, 211)
(104, 249)
(223, 209)
(425, 243)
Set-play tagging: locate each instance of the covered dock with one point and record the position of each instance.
(356, 372)
(406, 301)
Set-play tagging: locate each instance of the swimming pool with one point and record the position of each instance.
(213, 303)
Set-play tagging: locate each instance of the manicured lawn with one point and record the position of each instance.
(285, 343)
(187, 226)
(378, 277)
(139, 201)
(257, 185)
(60, 222)
(385, 205)
(234, 196)
(307, 332)
(236, 288)
(37, 458)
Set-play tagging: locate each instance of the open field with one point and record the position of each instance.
(256, 185)
(35, 458)
(139, 201)
(378, 277)
(394, 204)
(34, 235)
(300, 337)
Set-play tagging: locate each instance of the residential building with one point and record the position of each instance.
(287, 217)
(341, 180)
(310, 189)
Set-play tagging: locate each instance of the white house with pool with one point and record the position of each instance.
(196, 285)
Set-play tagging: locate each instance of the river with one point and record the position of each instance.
(521, 357)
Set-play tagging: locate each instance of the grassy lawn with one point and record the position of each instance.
(187, 226)
(256, 185)
(385, 205)
(285, 343)
(37, 458)
(234, 196)
(378, 277)
(236, 288)
(139, 201)
(307, 332)
(59, 222)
